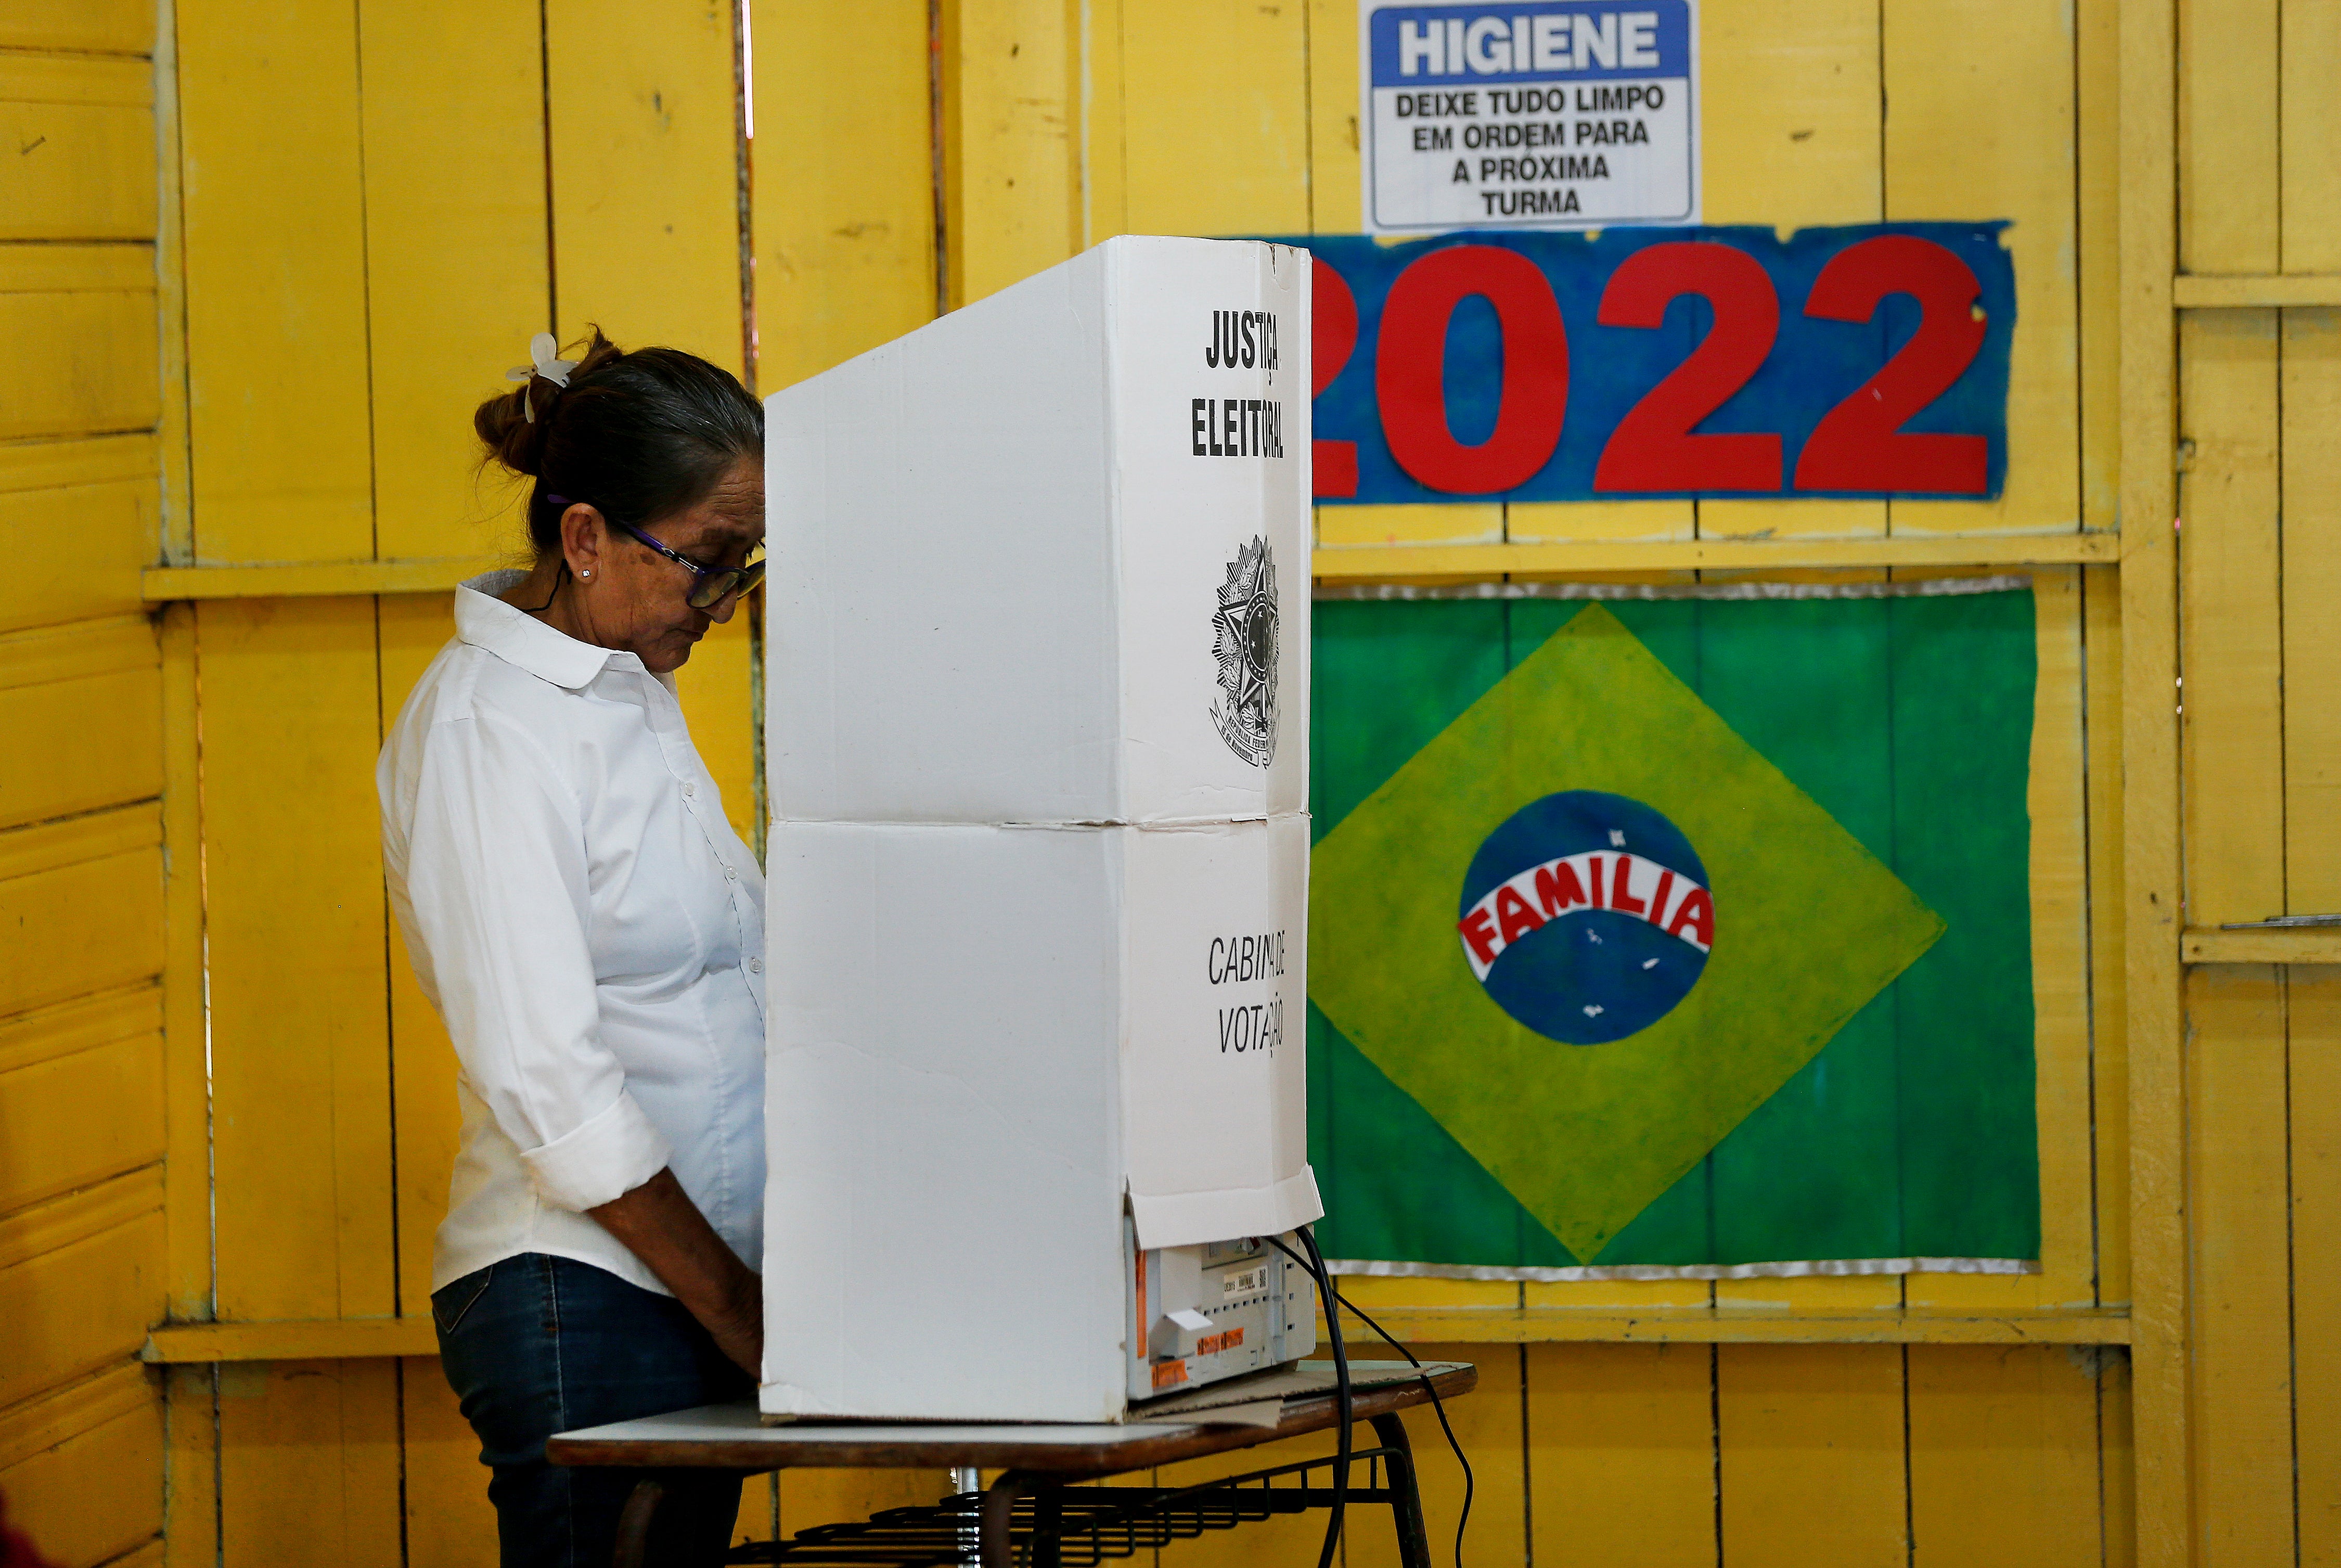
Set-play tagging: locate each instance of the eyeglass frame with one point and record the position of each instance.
(747, 577)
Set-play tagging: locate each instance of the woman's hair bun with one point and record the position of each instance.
(514, 438)
(639, 435)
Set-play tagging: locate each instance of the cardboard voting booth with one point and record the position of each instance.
(1038, 749)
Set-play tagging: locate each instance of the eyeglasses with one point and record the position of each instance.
(712, 584)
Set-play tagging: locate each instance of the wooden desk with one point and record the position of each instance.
(1038, 1461)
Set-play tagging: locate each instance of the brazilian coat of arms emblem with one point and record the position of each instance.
(1245, 647)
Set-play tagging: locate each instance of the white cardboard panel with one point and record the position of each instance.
(999, 557)
(1214, 1074)
(974, 1030)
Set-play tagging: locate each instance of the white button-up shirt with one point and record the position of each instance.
(590, 928)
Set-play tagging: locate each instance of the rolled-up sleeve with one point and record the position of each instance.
(497, 889)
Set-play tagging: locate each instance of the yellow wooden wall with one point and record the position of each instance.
(2257, 1141)
(82, 716)
(377, 206)
(253, 288)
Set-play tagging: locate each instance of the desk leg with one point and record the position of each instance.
(999, 1546)
(634, 1523)
(1405, 1497)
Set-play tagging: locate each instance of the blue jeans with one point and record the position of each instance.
(536, 1344)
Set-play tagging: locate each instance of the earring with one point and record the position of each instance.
(588, 571)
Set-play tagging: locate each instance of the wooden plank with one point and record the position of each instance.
(1622, 1455)
(51, 845)
(119, 645)
(1397, 532)
(300, 1083)
(276, 350)
(1421, 562)
(2247, 291)
(2116, 1462)
(449, 1524)
(2109, 1040)
(163, 584)
(34, 1425)
(1010, 77)
(116, 893)
(2057, 805)
(114, 26)
(110, 720)
(84, 362)
(1336, 177)
(422, 1062)
(1791, 134)
(2293, 946)
(1803, 1316)
(1810, 1456)
(1103, 185)
(193, 1474)
(846, 200)
(1383, 1294)
(77, 269)
(96, 1494)
(1488, 1424)
(1944, 161)
(2097, 123)
(2231, 608)
(2238, 1207)
(83, 126)
(81, 1118)
(449, 88)
(293, 1339)
(2313, 1030)
(644, 125)
(2228, 167)
(77, 1306)
(2003, 1456)
(2310, 398)
(76, 1216)
(1603, 522)
(77, 550)
(322, 1432)
(77, 78)
(29, 1039)
(99, 460)
(1215, 118)
(186, 1067)
(2308, 132)
(2151, 910)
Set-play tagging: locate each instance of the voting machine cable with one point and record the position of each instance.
(1344, 1407)
(1340, 1368)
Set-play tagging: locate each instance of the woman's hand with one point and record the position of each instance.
(660, 1224)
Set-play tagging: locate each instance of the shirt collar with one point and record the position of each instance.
(518, 638)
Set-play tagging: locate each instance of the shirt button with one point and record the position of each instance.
(729, 874)
(689, 789)
(756, 966)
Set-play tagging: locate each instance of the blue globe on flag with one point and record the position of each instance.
(1587, 916)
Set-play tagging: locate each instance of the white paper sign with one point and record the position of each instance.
(1558, 114)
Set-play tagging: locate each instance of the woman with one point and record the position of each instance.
(592, 930)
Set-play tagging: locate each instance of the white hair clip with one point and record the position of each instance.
(541, 348)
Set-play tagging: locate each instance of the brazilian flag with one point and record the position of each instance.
(1673, 933)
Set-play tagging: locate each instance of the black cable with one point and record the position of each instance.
(1438, 1405)
(1344, 1406)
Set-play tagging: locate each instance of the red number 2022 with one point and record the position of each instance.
(1860, 445)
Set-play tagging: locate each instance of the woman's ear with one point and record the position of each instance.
(581, 541)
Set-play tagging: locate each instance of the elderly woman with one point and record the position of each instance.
(592, 930)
